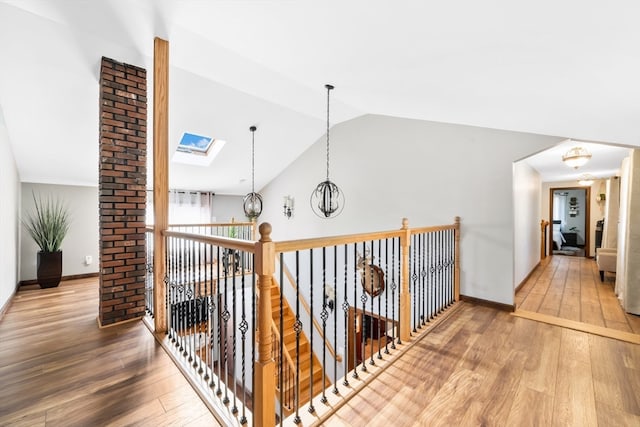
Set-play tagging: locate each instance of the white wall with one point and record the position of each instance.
(631, 277)
(9, 218)
(595, 210)
(390, 168)
(227, 207)
(526, 227)
(82, 238)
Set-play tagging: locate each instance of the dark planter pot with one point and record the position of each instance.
(49, 269)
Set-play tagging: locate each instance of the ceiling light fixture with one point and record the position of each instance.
(586, 179)
(252, 202)
(327, 199)
(576, 157)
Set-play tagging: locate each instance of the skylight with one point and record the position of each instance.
(197, 150)
(191, 142)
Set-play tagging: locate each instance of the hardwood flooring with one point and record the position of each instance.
(58, 369)
(487, 367)
(570, 288)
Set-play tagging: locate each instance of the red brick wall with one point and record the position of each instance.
(122, 190)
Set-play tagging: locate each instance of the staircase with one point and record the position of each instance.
(290, 354)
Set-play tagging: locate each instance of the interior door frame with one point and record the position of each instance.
(587, 217)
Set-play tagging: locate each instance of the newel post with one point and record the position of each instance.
(543, 233)
(456, 261)
(265, 409)
(405, 296)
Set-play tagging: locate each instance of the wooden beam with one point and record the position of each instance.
(160, 176)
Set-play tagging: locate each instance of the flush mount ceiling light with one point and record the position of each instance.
(576, 157)
(327, 200)
(252, 202)
(586, 179)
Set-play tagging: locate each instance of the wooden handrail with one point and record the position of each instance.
(300, 245)
(213, 224)
(227, 242)
(431, 229)
(290, 362)
(306, 307)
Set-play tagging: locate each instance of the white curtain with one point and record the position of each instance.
(186, 207)
(560, 208)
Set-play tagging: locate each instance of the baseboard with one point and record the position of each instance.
(6, 306)
(528, 276)
(71, 277)
(133, 319)
(497, 305)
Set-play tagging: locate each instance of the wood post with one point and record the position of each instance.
(160, 177)
(405, 297)
(456, 261)
(265, 261)
(543, 233)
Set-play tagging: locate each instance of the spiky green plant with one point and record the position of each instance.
(48, 223)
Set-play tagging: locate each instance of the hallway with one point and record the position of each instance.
(570, 288)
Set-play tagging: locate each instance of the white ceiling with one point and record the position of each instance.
(567, 69)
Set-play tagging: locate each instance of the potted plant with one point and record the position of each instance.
(48, 225)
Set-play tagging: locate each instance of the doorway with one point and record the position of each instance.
(569, 210)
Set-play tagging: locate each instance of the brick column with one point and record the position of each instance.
(122, 190)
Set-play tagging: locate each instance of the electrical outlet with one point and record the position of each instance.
(88, 259)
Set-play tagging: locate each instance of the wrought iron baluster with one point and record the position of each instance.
(363, 300)
(244, 327)
(393, 293)
(311, 408)
(372, 317)
(386, 296)
(219, 319)
(414, 280)
(423, 276)
(234, 310)
(335, 319)
(382, 289)
(226, 315)
(297, 328)
(324, 315)
(355, 310)
(400, 254)
(282, 358)
(345, 309)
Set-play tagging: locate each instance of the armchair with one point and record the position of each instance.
(606, 258)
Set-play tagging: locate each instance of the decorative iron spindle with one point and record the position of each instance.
(297, 327)
(282, 361)
(324, 315)
(234, 308)
(244, 327)
(355, 311)
(345, 309)
(386, 297)
(311, 408)
(393, 293)
(335, 319)
(363, 300)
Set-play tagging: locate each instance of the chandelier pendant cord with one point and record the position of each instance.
(253, 134)
(328, 91)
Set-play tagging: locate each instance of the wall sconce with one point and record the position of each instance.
(288, 206)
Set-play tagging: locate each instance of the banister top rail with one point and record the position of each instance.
(227, 242)
(432, 228)
(302, 244)
(212, 224)
(299, 245)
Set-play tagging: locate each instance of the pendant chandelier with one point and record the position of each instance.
(586, 179)
(253, 201)
(327, 200)
(576, 157)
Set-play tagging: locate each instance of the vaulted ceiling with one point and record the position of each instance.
(566, 68)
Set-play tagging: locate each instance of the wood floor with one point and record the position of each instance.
(58, 369)
(570, 288)
(480, 367)
(485, 367)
